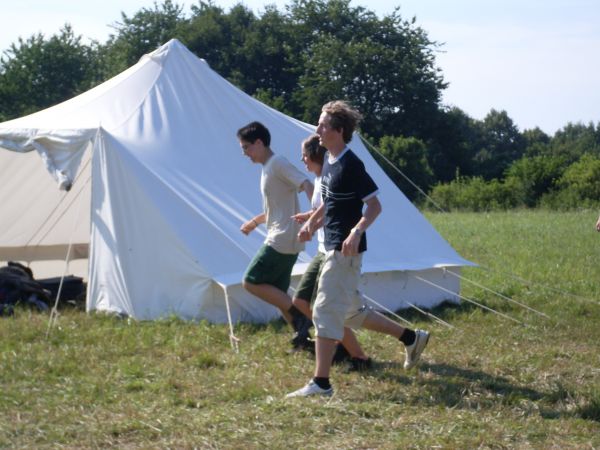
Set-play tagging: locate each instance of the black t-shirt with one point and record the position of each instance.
(345, 184)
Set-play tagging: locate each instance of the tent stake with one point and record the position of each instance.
(233, 340)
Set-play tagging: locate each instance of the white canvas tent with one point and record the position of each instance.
(160, 188)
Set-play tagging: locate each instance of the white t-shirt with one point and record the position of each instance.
(280, 183)
(315, 202)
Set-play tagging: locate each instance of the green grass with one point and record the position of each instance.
(99, 381)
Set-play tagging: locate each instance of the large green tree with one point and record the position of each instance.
(536, 141)
(453, 144)
(535, 176)
(217, 36)
(139, 34)
(575, 140)
(321, 50)
(385, 67)
(500, 145)
(36, 73)
(409, 159)
(579, 186)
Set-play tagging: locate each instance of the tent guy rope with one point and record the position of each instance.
(62, 199)
(498, 294)
(165, 171)
(389, 311)
(57, 220)
(422, 311)
(533, 283)
(376, 150)
(468, 300)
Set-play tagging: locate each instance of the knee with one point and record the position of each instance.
(250, 287)
(299, 303)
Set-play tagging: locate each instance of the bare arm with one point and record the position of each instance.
(251, 225)
(302, 217)
(351, 243)
(308, 189)
(314, 222)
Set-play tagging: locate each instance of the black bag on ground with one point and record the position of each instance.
(17, 286)
(73, 288)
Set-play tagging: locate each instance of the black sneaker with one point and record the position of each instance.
(302, 341)
(304, 326)
(360, 365)
(299, 321)
(340, 355)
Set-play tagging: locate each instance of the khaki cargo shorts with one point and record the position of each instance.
(339, 303)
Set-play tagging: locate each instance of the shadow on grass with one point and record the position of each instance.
(454, 386)
(459, 387)
(462, 383)
(446, 311)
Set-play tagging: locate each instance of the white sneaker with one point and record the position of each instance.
(413, 352)
(311, 388)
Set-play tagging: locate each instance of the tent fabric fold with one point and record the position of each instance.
(152, 157)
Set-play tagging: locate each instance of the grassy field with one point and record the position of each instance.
(488, 383)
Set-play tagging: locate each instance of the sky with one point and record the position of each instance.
(536, 59)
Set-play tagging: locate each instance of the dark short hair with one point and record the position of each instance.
(343, 117)
(253, 131)
(314, 150)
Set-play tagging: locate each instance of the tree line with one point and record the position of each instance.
(318, 50)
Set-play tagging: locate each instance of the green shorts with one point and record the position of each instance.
(271, 267)
(307, 287)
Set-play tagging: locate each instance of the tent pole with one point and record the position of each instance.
(233, 340)
(54, 311)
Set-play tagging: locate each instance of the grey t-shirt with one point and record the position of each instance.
(280, 182)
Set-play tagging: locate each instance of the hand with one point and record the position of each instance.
(301, 217)
(248, 227)
(598, 224)
(305, 235)
(350, 244)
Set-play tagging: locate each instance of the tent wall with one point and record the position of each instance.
(394, 291)
(169, 189)
(38, 221)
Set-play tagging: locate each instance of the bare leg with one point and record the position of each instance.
(378, 322)
(349, 340)
(325, 348)
(351, 344)
(273, 296)
(303, 306)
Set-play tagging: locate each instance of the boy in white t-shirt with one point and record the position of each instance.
(268, 275)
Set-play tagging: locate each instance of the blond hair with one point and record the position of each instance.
(342, 116)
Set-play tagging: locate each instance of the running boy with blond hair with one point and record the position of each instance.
(346, 187)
